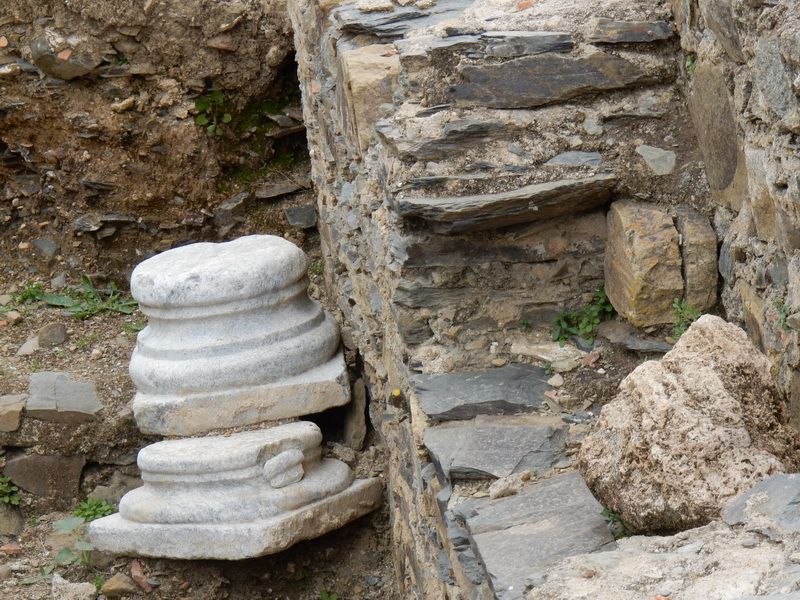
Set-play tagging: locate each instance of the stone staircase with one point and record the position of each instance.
(464, 155)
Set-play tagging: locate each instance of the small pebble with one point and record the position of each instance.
(601, 371)
(556, 380)
(499, 362)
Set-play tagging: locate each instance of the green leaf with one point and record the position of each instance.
(83, 546)
(67, 525)
(57, 300)
(201, 120)
(211, 128)
(226, 118)
(216, 97)
(65, 556)
(202, 104)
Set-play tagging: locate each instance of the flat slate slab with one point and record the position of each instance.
(496, 446)
(511, 389)
(56, 397)
(769, 506)
(532, 81)
(610, 31)
(537, 202)
(544, 523)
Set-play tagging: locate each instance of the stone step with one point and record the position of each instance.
(542, 524)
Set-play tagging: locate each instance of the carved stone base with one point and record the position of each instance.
(235, 541)
(234, 496)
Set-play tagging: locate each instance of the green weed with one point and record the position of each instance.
(615, 524)
(584, 321)
(92, 508)
(783, 313)
(323, 595)
(9, 493)
(685, 315)
(317, 267)
(211, 112)
(29, 294)
(89, 300)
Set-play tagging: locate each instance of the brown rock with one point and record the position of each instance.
(11, 521)
(642, 263)
(13, 317)
(688, 433)
(52, 476)
(11, 411)
(119, 585)
(52, 335)
(699, 256)
(370, 73)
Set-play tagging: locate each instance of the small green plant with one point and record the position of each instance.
(134, 326)
(783, 313)
(584, 321)
(35, 365)
(211, 112)
(691, 64)
(525, 325)
(615, 524)
(685, 315)
(29, 294)
(9, 493)
(98, 581)
(81, 551)
(93, 508)
(43, 574)
(317, 267)
(89, 300)
(328, 596)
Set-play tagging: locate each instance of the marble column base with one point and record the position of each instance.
(235, 541)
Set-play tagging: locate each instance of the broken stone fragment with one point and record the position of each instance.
(50, 476)
(232, 497)
(233, 338)
(660, 162)
(11, 407)
(62, 65)
(686, 434)
(56, 397)
(642, 263)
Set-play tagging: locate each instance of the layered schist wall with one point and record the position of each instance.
(743, 79)
(465, 155)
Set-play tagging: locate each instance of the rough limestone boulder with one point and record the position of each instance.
(686, 434)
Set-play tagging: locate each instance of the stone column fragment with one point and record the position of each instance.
(233, 497)
(232, 339)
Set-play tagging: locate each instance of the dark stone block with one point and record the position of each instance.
(535, 202)
(304, 216)
(508, 44)
(488, 447)
(56, 477)
(544, 79)
(509, 390)
(610, 31)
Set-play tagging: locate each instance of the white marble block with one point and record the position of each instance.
(232, 497)
(232, 339)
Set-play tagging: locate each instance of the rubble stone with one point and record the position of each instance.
(688, 433)
(642, 263)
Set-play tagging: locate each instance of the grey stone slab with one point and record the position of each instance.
(509, 44)
(395, 23)
(545, 522)
(770, 506)
(56, 397)
(53, 476)
(535, 202)
(304, 216)
(456, 137)
(614, 32)
(532, 81)
(496, 446)
(576, 158)
(624, 334)
(462, 395)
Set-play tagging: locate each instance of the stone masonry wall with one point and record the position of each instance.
(464, 155)
(743, 80)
